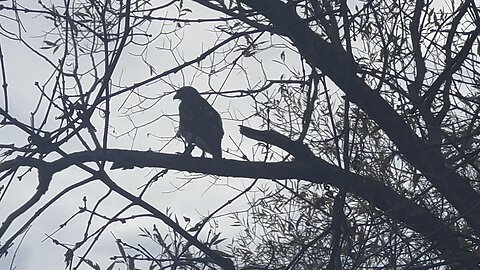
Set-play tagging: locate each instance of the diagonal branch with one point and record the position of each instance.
(342, 69)
(46, 171)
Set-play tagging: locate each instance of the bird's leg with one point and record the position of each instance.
(188, 149)
(185, 144)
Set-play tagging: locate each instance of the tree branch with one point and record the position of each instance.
(307, 167)
(342, 69)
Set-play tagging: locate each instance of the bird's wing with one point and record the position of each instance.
(211, 114)
(200, 119)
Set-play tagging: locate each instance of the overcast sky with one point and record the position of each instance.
(200, 197)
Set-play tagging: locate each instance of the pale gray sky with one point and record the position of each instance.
(199, 197)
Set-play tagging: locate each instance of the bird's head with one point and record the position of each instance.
(186, 92)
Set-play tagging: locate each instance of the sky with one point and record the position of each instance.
(150, 126)
(186, 198)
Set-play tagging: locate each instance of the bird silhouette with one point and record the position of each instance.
(200, 123)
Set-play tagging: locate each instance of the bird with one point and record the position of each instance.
(200, 124)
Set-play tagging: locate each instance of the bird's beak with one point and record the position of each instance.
(176, 96)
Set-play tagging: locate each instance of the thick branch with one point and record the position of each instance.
(341, 69)
(46, 171)
(310, 169)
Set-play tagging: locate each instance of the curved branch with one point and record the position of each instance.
(44, 179)
(305, 167)
(47, 169)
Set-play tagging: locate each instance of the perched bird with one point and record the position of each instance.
(200, 123)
